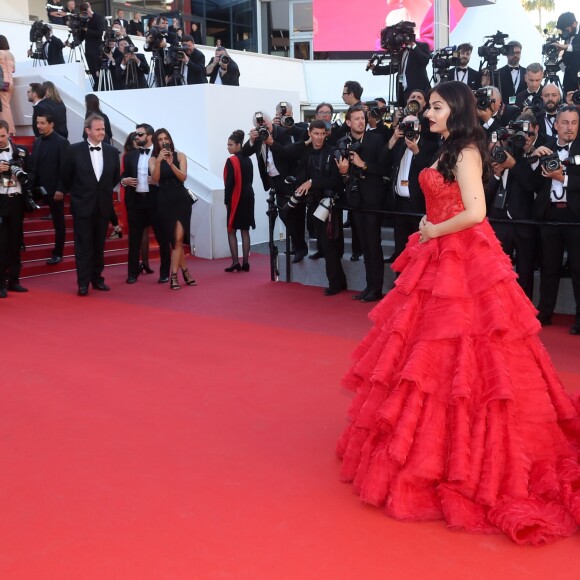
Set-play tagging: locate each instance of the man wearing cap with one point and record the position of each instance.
(568, 25)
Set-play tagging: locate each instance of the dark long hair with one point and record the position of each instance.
(156, 147)
(93, 104)
(463, 126)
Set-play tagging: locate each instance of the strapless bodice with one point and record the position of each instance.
(442, 198)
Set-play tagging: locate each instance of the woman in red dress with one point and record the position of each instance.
(459, 414)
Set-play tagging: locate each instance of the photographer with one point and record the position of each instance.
(93, 26)
(285, 118)
(51, 49)
(363, 166)
(191, 63)
(531, 97)
(511, 194)
(318, 184)
(131, 68)
(48, 153)
(558, 200)
(408, 154)
(547, 117)
(222, 70)
(489, 105)
(511, 76)
(274, 167)
(568, 25)
(464, 73)
(15, 175)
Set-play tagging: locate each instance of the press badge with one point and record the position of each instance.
(512, 100)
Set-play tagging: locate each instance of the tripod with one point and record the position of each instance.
(131, 81)
(105, 80)
(77, 54)
(38, 56)
(156, 76)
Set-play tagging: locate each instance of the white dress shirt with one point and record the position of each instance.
(97, 159)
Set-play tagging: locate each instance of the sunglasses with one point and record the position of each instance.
(139, 134)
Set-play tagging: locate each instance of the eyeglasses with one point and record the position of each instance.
(345, 94)
(139, 134)
(324, 113)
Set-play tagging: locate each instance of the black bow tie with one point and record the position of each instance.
(94, 148)
(515, 67)
(563, 147)
(7, 149)
(142, 151)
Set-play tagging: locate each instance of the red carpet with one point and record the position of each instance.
(150, 434)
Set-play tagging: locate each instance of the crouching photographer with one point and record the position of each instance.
(14, 201)
(318, 184)
(131, 68)
(558, 200)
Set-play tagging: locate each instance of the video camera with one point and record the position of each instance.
(551, 55)
(38, 31)
(155, 37)
(378, 112)
(445, 58)
(398, 36)
(344, 146)
(484, 98)
(494, 47)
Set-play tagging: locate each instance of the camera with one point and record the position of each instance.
(446, 58)
(155, 37)
(483, 98)
(263, 132)
(396, 37)
(551, 162)
(344, 146)
(225, 59)
(410, 129)
(535, 102)
(412, 108)
(520, 131)
(494, 47)
(38, 31)
(285, 120)
(376, 111)
(499, 154)
(576, 97)
(130, 49)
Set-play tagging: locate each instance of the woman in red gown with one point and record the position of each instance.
(459, 414)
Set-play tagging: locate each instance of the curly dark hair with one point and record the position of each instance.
(463, 126)
(237, 137)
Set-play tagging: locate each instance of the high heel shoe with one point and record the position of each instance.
(245, 267)
(145, 269)
(116, 234)
(233, 268)
(173, 283)
(188, 278)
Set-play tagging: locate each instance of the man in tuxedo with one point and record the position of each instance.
(511, 76)
(408, 154)
(90, 172)
(121, 19)
(490, 114)
(511, 197)
(193, 63)
(11, 210)
(552, 98)
(363, 173)
(131, 68)
(51, 48)
(92, 29)
(222, 70)
(533, 78)
(414, 59)
(41, 104)
(464, 73)
(274, 167)
(141, 202)
(558, 200)
(571, 46)
(48, 153)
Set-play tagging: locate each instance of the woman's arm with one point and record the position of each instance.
(179, 170)
(468, 174)
(155, 167)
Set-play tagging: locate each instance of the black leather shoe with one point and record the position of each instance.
(332, 291)
(361, 295)
(83, 290)
(300, 255)
(54, 260)
(390, 259)
(131, 280)
(3, 292)
(245, 267)
(16, 287)
(316, 256)
(372, 297)
(100, 286)
(355, 258)
(163, 279)
(575, 328)
(545, 319)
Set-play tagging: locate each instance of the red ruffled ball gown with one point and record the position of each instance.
(459, 413)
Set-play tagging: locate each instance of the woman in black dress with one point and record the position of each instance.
(239, 200)
(168, 168)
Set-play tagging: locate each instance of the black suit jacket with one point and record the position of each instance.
(141, 71)
(130, 163)
(48, 154)
(542, 202)
(196, 68)
(427, 152)
(135, 28)
(416, 71)
(78, 178)
(57, 110)
(572, 62)
(541, 117)
(54, 50)
(522, 96)
(506, 83)
(231, 78)
(93, 34)
(473, 77)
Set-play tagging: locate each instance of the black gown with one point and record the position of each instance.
(174, 203)
(244, 218)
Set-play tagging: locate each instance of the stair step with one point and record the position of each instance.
(36, 224)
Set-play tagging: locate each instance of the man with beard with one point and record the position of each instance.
(511, 76)
(48, 153)
(464, 73)
(546, 119)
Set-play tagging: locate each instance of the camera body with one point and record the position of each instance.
(398, 36)
(38, 31)
(499, 154)
(551, 162)
(535, 102)
(263, 132)
(576, 97)
(156, 36)
(410, 129)
(130, 49)
(446, 58)
(484, 98)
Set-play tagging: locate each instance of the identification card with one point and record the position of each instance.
(404, 183)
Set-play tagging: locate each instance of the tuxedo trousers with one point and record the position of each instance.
(11, 237)
(369, 225)
(89, 238)
(57, 213)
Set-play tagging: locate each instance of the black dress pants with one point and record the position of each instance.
(89, 237)
(369, 228)
(332, 250)
(404, 225)
(11, 232)
(57, 212)
(556, 239)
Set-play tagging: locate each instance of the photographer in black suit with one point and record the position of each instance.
(511, 76)
(52, 48)
(363, 167)
(131, 68)
(92, 28)
(408, 154)
(192, 64)
(48, 153)
(15, 173)
(568, 25)
(533, 78)
(558, 200)
(464, 73)
(510, 196)
(552, 98)
(90, 173)
(222, 70)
